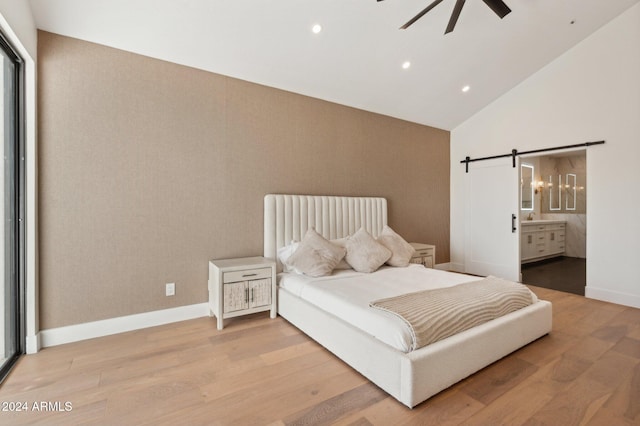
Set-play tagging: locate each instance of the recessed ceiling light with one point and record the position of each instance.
(406, 65)
(316, 28)
(465, 89)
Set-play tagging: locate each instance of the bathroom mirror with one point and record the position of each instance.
(570, 191)
(555, 192)
(526, 187)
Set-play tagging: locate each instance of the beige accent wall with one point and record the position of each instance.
(148, 169)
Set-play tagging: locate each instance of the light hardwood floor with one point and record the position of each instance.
(261, 371)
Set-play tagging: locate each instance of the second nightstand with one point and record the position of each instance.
(425, 254)
(241, 286)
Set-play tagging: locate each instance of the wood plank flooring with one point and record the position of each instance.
(259, 371)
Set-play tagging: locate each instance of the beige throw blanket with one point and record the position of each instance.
(434, 315)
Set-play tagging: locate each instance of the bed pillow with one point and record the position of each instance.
(401, 251)
(284, 253)
(364, 253)
(341, 242)
(315, 256)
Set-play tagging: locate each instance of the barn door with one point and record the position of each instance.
(492, 229)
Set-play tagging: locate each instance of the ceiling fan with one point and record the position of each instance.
(498, 6)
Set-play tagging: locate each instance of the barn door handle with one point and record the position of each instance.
(513, 223)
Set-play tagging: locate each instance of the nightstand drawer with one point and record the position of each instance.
(251, 274)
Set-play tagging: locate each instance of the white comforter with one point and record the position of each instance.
(347, 294)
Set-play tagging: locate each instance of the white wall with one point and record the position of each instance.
(590, 93)
(17, 24)
(16, 14)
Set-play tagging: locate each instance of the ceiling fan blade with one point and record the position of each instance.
(420, 15)
(499, 7)
(454, 16)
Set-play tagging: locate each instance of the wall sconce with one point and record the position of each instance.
(538, 187)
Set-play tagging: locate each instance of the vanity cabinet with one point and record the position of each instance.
(241, 286)
(541, 240)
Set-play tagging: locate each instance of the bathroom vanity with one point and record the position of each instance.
(541, 239)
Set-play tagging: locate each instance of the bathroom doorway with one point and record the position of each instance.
(554, 221)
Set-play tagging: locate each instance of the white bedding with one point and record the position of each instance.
(347, 294)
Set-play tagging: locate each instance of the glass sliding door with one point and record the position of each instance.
(11, 234)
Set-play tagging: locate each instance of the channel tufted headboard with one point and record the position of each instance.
(287, 218)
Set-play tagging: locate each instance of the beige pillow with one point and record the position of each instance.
(340, 242)
(401, 251)
(315, 256)
(364, 253)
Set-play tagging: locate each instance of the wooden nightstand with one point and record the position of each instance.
(241, 286)
(425, 254)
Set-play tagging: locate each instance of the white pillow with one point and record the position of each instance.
(284, 253)
(364, 253)
(401, 251)
(315, 256)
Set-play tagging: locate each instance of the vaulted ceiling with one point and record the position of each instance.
(357, 59)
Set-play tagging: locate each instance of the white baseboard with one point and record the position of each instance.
(625, 299)
(443, 266)
(455, 267)
(89, 330)
(33, 344)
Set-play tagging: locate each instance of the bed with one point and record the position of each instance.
(409, 376)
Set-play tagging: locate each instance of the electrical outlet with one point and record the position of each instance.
(170, 289)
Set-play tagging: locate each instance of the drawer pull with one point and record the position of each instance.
(249, 275)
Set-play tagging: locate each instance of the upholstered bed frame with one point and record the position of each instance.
(409, 377)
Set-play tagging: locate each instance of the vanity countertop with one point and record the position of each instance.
(542, 221)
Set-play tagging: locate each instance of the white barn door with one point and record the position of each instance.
(492, 245)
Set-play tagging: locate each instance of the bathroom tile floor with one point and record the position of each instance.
(568, 274)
